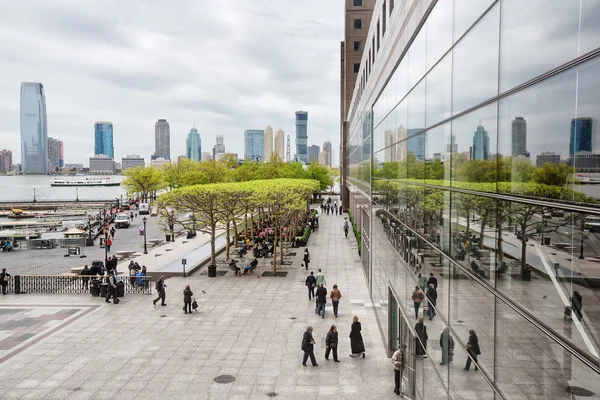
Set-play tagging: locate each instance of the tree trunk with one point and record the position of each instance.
(245, 224)
(235, 232)
(482, 233)
(275, 251)
(213, 251)
(281, 245)
(227, 244)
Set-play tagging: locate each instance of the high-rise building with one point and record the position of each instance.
(268, 143)
(102, 165)
(416, 144)
(54, 154)
(103, 139)
(519, 137)
(390, 145)
(5, 160)
(547, 157)
(288, 153)
(254, 144)
(162, 139)
(302, 136)
(206, 156)
(581, 135)
(132, 161)
(61, 154)
(313, 153)
(34, 129)
(220, 146)
(279, 143)
(325, 158)
(193, 145)
(481, 144)
(453, 146)
(328, 148)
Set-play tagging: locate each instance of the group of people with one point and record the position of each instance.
(7, 245)
(429, 284)
(331, 343)
(318, 282)
(333, 208)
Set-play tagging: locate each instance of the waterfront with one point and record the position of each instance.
(21, 188)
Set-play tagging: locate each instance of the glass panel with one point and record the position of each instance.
(466, 13)
(416, 59)
(475, 72)
(439, 31)
(401, 80)
(378, 138)
(439, 92)
(590, 29)
(543, 32)
(416, 118)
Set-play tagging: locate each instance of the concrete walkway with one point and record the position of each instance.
(248, 329)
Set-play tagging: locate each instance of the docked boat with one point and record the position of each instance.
(87, 181)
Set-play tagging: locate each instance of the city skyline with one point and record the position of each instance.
(34, 128)
(162, 139)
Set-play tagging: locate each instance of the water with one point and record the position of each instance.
(21, 188)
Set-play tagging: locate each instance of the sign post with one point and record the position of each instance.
(183, 262)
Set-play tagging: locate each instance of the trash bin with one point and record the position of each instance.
(212, 271)
(17, 283)
(95, 287)
(168, 238)
(103, 289)
(547, 241)
(526, 274)
(89, 242)
(120, 289)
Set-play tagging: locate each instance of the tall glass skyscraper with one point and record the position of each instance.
(103, 139)
(193, 145)
(34, 129)
(581, 135)
(162, 139)
(481, 144)
(302, 136)
(254, 144)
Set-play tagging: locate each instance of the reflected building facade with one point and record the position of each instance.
(103, 139)
(302, 136)
(254, 143)
(475, 86)
(34, 129)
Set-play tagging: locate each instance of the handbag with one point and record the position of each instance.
(5, 278)
(194, 303)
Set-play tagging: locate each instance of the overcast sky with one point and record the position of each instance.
(227, 65)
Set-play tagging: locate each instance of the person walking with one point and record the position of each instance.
(108, 244)
(417, 297)
(356, 341)
(160, 288)
(432, 298)
(432, 280)
(577, 304)
(306, 258)
(345, 226)
(320, 278)
(423, 281)
(335, 295)
(421, 339)
(85, 272)
(321, 300)
(4, 278)
(447, 345)
(187, 299)
(331, 343)
(472, 349)
(311, 283)
(399, 361)
(308, 344)
(112, 232)
(112, 288)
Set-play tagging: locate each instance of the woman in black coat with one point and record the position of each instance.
(187, 299)
(421, 338)
(472, 349)
(306, 258)
(356, 340)
(331, 342)
(308, 344)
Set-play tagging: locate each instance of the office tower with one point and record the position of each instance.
(288, 154)
(162, 139)
(102, 165)
(34, 129)
(519, 137)
(416, 144)
(207, 156)
(453, 146)
(302, 136)
(254, 144)
(390, 145)
(329, 149)
(313, 153)
(54, 154)
(547, 157)
(581, 135)
(220, 146)
(193, 145)
(325, 158)
(157, 162)
(5, 160)
(61, 154)
(132, 161)
(103, 136)
(279, 143)
(481, 144)
(268, 143)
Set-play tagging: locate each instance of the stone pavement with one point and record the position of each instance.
(248, 329)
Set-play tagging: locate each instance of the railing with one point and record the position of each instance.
(73, 284)
(42, 244)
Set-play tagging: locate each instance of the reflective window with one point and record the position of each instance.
(466, 13)
(356, 68)
(357, 3)
(439, 31)
(439, 91)
(357, 46)
(475, 69)
(358, 24)
(400, 80)
(590, 29)
(416, 59)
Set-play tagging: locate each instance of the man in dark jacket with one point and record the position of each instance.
(85, 272)
(321, 300)
(432, 297)
(160, 288)
(4, 277)
(112, 288)
(308, 346)
(311, 283)
(432, 281)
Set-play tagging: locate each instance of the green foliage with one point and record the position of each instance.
(321, 174)
(356, 233)
(143, 182)
(552, 174)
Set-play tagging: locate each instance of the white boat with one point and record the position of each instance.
(87, 181)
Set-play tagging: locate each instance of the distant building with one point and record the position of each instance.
(34, 129)
(519, 137)
(313, 153)
(132, 161)
(5, 160)
(453, 146)
(162, 139)
(254, 144)
(584, 161)
(220, 146)
(329, 149)
(74, 167)
(581, 135)
(481, 144)
(390, 145)
(193, 145)
(61, 154)
(54, 154)
(325, 158)
(288, 154)
(279, 143)
(157, 162)
(206, 156)
(416, 144)
(102, 165)
(268, 143)
(302, 136)
(547, 157)
(103, 139)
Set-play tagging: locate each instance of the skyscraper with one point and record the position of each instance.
(288, 153)
(254, 144)
(268, 143)
(481, 144)
(193, 145)
(313, 153)
(61, 154)
(519, 137)
(103, 139)
(54, 154)
(5, 160)
(162, 139)
(279, 146)
(416, 144)
(220, 146)
(581, 135)
(390, 145)
(329, 149)
(34, 128)
(302, 136)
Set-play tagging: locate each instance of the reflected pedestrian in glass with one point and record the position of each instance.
(432, 297)
(356, 341)
(331, 343)
(417, 297)
(308, 345)
(422, 338)
(577, 304)
(472, 349)
(447, 345)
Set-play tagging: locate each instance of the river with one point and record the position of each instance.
(22, 187)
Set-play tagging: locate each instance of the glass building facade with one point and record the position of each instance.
(302, 136)
(34, 129)
(437, 186)
(103, 139)
(254, 144)
(193, 145)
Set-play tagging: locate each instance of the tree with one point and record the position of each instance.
(321, 174)
(552, 174)
(231, 206)
(175, 173)
(143, 182)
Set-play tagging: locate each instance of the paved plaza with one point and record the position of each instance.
(247, 332)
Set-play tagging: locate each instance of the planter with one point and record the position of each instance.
(212, 271)
(168, 238)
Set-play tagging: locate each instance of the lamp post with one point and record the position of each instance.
(582, 233)
(145, 246)
(90, 225)
(105, 246)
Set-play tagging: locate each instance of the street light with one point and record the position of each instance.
(145, 246)
(582, 233)
(90, 225)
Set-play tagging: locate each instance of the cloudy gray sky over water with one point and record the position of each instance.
(225, 65)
